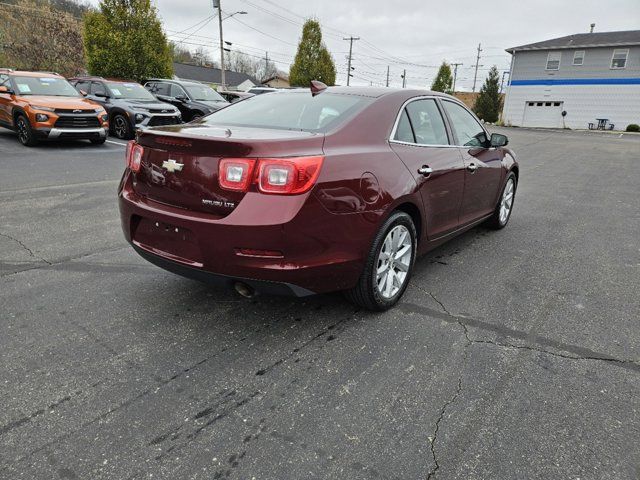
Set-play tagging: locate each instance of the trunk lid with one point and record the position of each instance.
(198, 149)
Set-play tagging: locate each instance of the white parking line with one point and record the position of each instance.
(116, 143)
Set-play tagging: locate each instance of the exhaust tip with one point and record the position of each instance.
(245, 290)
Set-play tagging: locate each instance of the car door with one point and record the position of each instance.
(482, 163)
(175, 93)
(99, 88)
(421, 140)
(5, 101)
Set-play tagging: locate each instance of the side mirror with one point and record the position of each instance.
(101, 95)
(83, 93)
(182, 98)
(4, 89)
(499, 140)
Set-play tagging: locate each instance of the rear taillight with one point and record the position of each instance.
(133, 156)
(236, 173)
(284, 176)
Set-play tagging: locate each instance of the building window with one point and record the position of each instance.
(619, 59)
(553, 61)
(578, 57)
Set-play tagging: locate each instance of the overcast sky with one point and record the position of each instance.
(412, 34)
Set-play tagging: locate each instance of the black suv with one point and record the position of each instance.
(128, 104)
(194, 99)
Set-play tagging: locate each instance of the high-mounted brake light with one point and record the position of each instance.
(284, 176)
(134, 156)
(236, 173)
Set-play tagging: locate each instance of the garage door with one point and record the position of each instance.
(542, 114)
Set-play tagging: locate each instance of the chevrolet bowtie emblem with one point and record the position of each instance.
(172, 166)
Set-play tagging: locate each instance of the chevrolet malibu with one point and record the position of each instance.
(310, 191)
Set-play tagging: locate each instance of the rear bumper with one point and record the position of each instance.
(263, 286)
(322, 252)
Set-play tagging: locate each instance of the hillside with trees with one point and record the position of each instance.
(42, 35)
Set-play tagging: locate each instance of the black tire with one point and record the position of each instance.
(120, 127)
(25, 133)
(98, 141)
(196, 116)
(366, 292)
(496, 221)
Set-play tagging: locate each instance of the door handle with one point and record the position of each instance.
(425, 170)
(472, 167)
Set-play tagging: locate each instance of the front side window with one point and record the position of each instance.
(553, 61)
(290, 111)
(578, 57)
(467, 129)
(619, 59)
(428, 125)
(177, 91)
(97, 88)
(54, 86)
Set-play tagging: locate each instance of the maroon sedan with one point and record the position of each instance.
(301, 192)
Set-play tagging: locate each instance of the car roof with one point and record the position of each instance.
(24, 73)
(171, 80)
(372, 92)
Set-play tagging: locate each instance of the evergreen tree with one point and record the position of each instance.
(313, 61)
(489, 103)
(124, 39)
(443, 80)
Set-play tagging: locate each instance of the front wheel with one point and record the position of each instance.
(25, 132)
(121, 127)
(388, 268)
(502, 213)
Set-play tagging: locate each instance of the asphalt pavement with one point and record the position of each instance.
(513, 355)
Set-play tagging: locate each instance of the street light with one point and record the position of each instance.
(216, 4)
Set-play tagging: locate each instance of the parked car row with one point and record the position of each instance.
(45, 105)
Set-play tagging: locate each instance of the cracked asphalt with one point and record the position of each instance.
(514, 354)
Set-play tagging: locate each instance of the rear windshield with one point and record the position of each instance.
(133, 91)
(290, 111)
(44, 85)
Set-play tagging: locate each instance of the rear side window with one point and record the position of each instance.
(467, 129)
(428, 125)
(82, 85)
(404, 132)
(161, 89)
(290, 111)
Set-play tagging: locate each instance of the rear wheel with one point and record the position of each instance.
(121, 127)
(25, 134)
(389, 265)
(502, 213)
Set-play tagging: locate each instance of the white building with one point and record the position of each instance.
(589, 76)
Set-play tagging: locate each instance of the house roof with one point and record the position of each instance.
(584, 40)
(185, 71)
(280, 76)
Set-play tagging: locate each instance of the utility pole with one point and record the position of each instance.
(404, 78)
(475, 75)
(455, 75)
(351, 39)
(216, 4)
(266, 65)
(387, 75)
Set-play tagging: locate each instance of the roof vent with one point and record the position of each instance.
(593, 25)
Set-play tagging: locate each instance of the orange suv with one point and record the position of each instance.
(43, 105)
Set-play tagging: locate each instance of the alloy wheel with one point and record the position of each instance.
(120, 126)
(23, 132)
(507, 201)
(394, 261)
